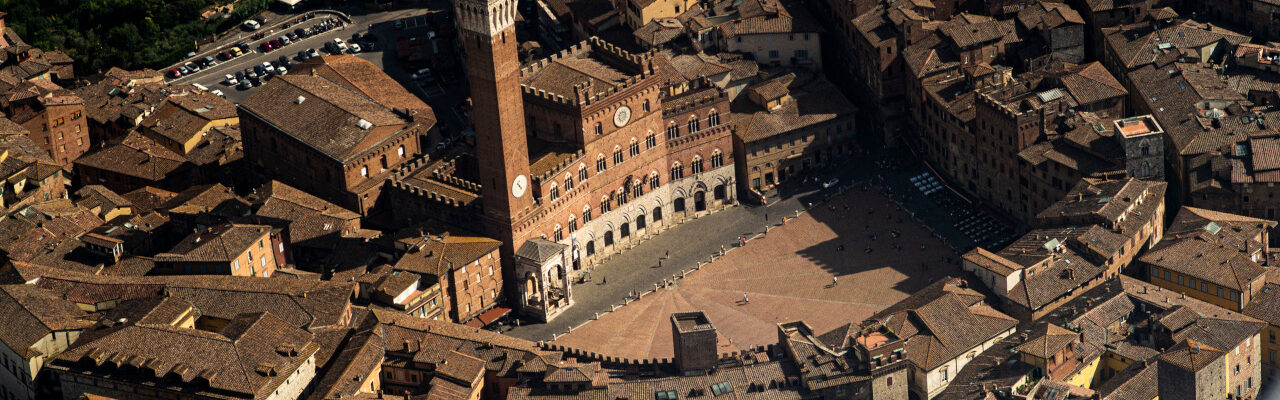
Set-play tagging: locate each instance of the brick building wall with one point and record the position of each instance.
(354, 184)
(61, 130)
(475, 287)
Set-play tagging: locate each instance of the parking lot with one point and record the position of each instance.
(382, 28)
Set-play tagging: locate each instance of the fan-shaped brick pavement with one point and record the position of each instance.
(786, 276)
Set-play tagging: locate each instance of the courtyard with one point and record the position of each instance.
(874, 250)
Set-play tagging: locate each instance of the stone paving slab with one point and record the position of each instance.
(786, 275)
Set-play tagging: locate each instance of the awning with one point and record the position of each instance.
(488, 317)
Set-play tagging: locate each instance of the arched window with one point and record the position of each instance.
(582, 172)
(673, 130)
(653, 180)
(568, 182)
(554, 192)
(637, 189)
(605, 205)
(573, 223)
(645, 106)
(696, 165)
(586, 214)
(599, 128)
(601, 164)
(677, 171)
(717, 159)
(713, 119)
(693, 124)
(651, 140)
(635, 147)
(558, 234)
(617, 155)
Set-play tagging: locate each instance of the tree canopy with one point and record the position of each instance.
(129, 34)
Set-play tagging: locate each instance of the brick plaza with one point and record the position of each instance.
(786, 275)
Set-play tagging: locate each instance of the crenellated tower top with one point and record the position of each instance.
(487, 17)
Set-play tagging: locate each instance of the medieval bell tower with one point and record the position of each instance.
(487, 31)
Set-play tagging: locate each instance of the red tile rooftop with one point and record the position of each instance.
(786, 276)
(873, 340)
(1136, 126)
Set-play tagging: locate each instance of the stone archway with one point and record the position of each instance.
(640, 222)
(624, 230)
(608, 238)
(700, 201)
(678, 204)
(531, 290)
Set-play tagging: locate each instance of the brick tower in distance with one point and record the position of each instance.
(488, 35)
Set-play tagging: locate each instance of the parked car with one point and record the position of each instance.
(303, 56)
(342, 46)
(244, 48)
(183, 71)
(282, 70)
(192, 67)
(266, 47)
(354, 48)
(277, 43)
(312, 53)
(245, 85)
(267, 66)
(175, 73)
(252, 25)
(224, 55)
(236, 52)
(218, 93)
(231, 80)
(258, 70)
(239, 75)
(300, 32)
(292, 36)
(284, 39)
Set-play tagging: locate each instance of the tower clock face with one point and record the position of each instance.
(622, 116)
(519, 186)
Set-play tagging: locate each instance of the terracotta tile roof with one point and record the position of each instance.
(148, 198)
(205, 199)
(1137, 381)
(328, 117)
(364, 77)
(1047, 340)
(1266, 304)
(182, 116)
(966, 30)
(939, 325)
(252, 356)
(1092, 83)
(1137, 45)
(1191, 355)
(310, 304)
(435, 254)
(815, 103)
(1221, 333)
(137, 156)
(222, 243)
(1048, 15)
(309, 217)
(31, 313)
(360, 357)
(99, 196)
(1206, 254)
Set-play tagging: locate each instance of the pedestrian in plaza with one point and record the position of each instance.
(668, 254)
(833, 281)
(722, 249)
(604, 280)
(745, 300)
(766, 216)
(659, 263)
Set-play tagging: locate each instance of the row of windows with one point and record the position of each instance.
(1190, 282)
(694, 124)
(364, 170)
